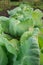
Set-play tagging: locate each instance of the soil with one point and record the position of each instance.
(4, 12)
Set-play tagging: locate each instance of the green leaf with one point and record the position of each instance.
(17, 28)
(12, 47)
(3, 57)
(7, 36)
(1, 30)
(13, 57)
(10, 58)
(15, 43)
(30, 52)
(4, 21)
(41, 58)
(40, 39)
(36, 16)
(12, 27)
(2, 41)
(14, 11)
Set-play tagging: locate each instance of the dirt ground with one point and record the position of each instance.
(4, 12)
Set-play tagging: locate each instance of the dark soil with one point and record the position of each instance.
(4, 12)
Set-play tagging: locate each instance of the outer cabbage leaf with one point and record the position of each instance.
(3, 57)
(12, 27)
(11, 47)
(41, 59)
(7, 36)
(21, 12)
(2, 41)
(18, 28)
(14, 11)
(36, 16)
(1, 30)
(41, 56)
(4, 23)
(40, 41)
(13, 57)
(30, 52)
